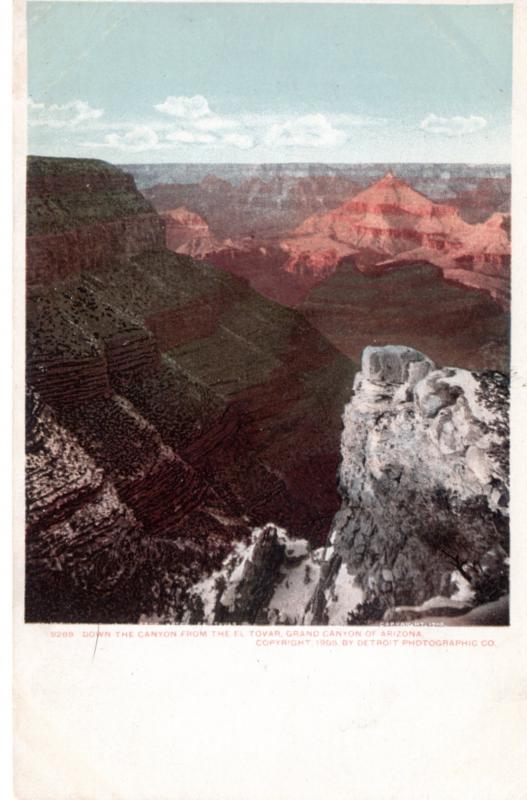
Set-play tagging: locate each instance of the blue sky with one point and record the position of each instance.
(154, 82)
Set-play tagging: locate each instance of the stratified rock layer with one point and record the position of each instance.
(386, 264)
(259, 206)
(390, 225)
(83, 216)
(188, 233)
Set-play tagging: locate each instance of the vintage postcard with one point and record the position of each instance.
(264, 335)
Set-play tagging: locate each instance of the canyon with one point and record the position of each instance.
(477, 190)
(185, 430)
(370, 265)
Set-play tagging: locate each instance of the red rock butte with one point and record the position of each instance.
(390, 225)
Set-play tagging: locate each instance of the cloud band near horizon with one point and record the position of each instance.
(181, 121)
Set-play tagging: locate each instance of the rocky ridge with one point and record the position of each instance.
(188, 233)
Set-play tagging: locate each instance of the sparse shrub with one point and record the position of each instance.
(367, 613)
(490, 586)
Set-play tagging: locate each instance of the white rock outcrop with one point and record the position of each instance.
(424, 480)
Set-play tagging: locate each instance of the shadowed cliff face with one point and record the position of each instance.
(414, 305)
(170, 407)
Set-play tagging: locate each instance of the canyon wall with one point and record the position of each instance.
(83, 217)
(476, 190)
(261, 207)
(172, 413)
(170, 408)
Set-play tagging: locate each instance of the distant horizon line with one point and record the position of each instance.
(390, 164)
(299, 163)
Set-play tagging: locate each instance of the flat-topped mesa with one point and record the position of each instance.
(84, 215)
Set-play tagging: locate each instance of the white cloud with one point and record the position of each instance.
(34, 106)
(312, 130)
(67, 115)
(241, 140)
(358, 120)
(144, 137)
(452, 126)
(190, 137)
(196, 114)
(134, 141)
(190, 108)
(188, 122)
(214, 123)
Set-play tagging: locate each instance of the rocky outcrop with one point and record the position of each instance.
(272, 580)
(268, 579)
(423, 528)
(424, 481)
(187, 232)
